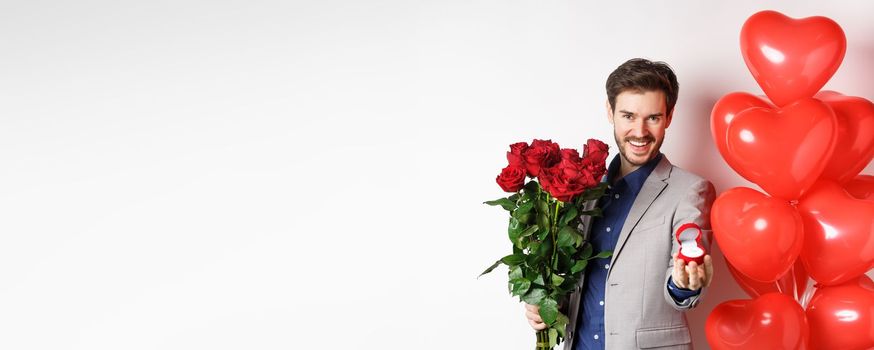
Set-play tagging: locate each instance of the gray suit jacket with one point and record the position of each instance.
(638, 311)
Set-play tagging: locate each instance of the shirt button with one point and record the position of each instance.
(607, 267)
(616, 196)
(609, 229)
(601, 302)
(596, 337)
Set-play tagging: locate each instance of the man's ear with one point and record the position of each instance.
(609, 111)
(668, 120)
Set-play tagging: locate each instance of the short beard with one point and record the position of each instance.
(620, 145)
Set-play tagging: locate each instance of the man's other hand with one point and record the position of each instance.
(692, 276)
(532, 313)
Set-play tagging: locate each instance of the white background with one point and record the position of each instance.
(291, 175)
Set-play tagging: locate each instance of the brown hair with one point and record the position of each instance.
(639, 75)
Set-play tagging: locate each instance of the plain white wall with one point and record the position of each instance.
(290, 175)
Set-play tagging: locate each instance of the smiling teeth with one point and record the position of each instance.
(638, 144)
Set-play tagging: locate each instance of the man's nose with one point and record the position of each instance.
(638, 128)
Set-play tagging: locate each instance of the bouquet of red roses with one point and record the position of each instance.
(549, 252)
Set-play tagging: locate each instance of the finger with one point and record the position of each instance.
(533, 316)
(679, 265)
(532, 308)
(692, 270)
(694, 283)
(677, 275)
(693, 276)
(538, 326)
(681, 278)
(708, 269)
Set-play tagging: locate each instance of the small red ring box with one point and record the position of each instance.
(691, 247)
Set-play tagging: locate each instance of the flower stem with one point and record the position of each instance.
(543, 340)
(554, 233)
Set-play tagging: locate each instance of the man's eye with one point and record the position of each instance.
(653, 119)
(627, 116)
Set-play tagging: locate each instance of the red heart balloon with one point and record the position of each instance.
(861, 187)
(761, 236)
(724, 112)
(791, 58)
(792, 284)
(784, 150)
(854, 146)
(771, 321)
(842, 316)
(838, 237)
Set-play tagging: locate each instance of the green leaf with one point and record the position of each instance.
(543, 220)
(534, 296)
(514, 197)
(560, 324)
(515, 272)
(587, 251)
(514, 230)
(505, 203)
(553, 337)
(594, 212)
(602, 255)
(523, 209)
(549, 311)
(533, 259)
(531, 188)
(530, 274)
(538, 280)
(566, 236)
(569, 215)
(519, 286)
(532, 245)
(557, 280)
(495, 265)
(529, 231)
(595, 192)
(542, 206)
(526, 196)
(513, 259)
(544, 231)
(544, 249)
(526, 219)
(579, 266)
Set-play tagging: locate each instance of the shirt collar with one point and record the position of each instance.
(636, 178)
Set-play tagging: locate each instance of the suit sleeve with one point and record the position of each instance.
(693, 207)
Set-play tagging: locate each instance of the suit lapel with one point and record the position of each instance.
(652, 188)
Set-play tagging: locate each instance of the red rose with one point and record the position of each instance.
(542, 154)
(588, 179)
(560, 187)
(569, 168)
(570, 154)
(568, 178)
(596, 151)
(595, 158)
(515, 154)
(512, 178)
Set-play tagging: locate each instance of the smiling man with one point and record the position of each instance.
(636, 298)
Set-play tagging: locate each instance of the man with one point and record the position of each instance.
(636, 298)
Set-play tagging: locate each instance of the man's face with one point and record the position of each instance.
(639, 121)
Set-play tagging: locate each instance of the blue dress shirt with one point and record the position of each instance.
(615, 204)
